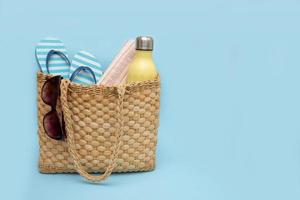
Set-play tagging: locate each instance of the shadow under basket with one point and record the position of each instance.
(109, 129)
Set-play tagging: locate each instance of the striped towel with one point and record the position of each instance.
(57, 65)
(83, 58)
(116, 73)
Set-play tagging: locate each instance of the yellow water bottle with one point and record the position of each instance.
(142, 67)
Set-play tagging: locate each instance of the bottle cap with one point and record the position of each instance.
(144, 43)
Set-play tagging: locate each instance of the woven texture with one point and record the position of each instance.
(95, 121)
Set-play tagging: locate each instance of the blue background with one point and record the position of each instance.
(230, 107)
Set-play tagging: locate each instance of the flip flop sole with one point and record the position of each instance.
(57, 65)
(83, 58)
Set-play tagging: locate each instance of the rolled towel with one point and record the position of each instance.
(116, 73)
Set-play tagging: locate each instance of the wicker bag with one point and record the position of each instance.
(109, 129)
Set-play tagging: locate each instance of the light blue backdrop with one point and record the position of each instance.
(230, 111)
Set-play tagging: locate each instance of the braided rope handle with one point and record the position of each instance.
(71, 141)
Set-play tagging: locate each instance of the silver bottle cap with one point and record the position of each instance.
(144, 43)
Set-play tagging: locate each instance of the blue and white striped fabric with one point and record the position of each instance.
(83, 58)
(57, 65)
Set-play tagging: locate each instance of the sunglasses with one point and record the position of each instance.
(51, 122)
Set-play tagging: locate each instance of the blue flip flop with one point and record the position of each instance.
(85, 59)
(84, 69)
(58, 62)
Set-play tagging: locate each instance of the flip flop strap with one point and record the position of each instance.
(85, 69)
(71, 141)
(59, 53)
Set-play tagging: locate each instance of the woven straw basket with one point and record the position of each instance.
(109, 129)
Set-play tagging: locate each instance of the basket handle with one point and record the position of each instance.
(71, 142)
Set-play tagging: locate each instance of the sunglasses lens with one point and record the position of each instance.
(50, 90)
(52, 125)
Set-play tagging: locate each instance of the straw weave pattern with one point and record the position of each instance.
(96, 126)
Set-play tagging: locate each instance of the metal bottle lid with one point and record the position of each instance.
(144, 43)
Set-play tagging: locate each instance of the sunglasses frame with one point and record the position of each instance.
(53, 109)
